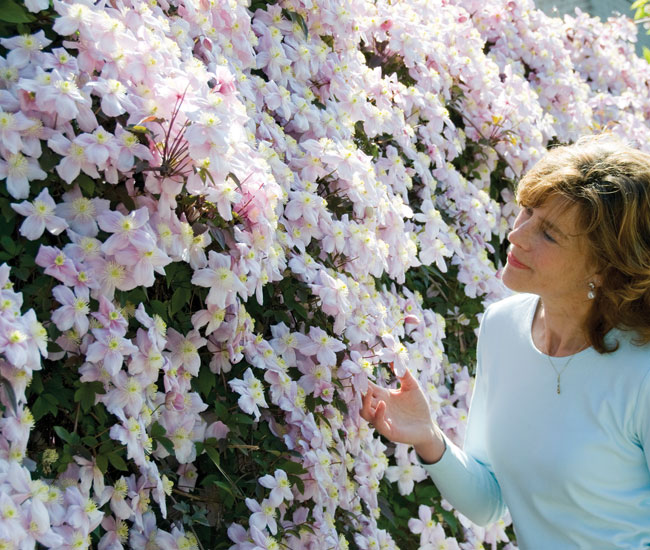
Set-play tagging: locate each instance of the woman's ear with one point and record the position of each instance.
(597, 279)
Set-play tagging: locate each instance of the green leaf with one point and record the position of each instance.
(167, 444)
(160, 309)
(180, 298)
(242, 419)
(87, 185)
(11, 12)
(64, 434)
(292, 467)
(8, 244)
(234, 178)
(297, 18)
(102, 463)
(43, 406)
(426, 492)
(86, 394)
(117, 462)
(11, 395)
(89, 441)
(450, 520)
(223, 486)
(157, 430)
(214, 456)
(204, 382)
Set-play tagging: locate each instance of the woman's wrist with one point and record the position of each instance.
(432, 448)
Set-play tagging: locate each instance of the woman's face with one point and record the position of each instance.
(548, 256)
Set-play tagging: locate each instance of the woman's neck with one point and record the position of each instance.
(559, 331)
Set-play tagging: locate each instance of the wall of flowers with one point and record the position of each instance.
(220, 218)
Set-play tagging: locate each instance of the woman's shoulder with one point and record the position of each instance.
(516, 307)
(628, 348)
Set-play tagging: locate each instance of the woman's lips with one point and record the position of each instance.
(514, 262)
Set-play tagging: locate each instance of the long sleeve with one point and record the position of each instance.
(464, 477)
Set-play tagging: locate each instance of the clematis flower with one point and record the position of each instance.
(320, 344)
(110, 349)
(219, 278)
(25, 48)
(74, 309)
(251, 393)
(128, 147)
(279, 485)
(81, 213)
(74, 158)
(263, 515)
(19, 170)
(56, 264)
(126, 230)
(39, 216)
(12, 125)
(184, 350)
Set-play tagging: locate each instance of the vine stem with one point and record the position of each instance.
(76, 418)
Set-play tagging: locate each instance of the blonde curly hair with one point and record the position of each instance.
(609, 182)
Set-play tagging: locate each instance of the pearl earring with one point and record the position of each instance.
(591, 294)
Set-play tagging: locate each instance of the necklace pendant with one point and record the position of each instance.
(558, 385)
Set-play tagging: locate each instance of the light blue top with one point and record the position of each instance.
(572, 468)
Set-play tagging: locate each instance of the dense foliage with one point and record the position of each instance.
(219, 219)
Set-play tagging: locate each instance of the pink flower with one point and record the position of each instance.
(125, 399)
(19, 170)
(110, 317)
(39, 216)
(99, 147)
(63, 97)
(56, 264)
(143, 263)
(111, 275)
(131, 432)
(220, 279)
(263, 515)
(73, 311)
(127, 230)
(81, 213)
(321, 344)
(25, 48)
(284, 342)
(74, 158)
(62, 61)
(148, 360)
(279, 485)
(394, 352)
(115, 536)
(128, 147)
(156, 328)
(184, 350)
(11, 127)
(109, 348)
(217, 429)
(114, 96)
(251, 393)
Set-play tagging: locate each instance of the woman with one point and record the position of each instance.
(559, 425)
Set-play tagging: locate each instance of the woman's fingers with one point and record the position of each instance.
(381, 424)
(407, 381)
(367, 412)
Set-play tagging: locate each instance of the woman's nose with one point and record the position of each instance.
(518, 234)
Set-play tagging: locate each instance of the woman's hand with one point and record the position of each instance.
(403, 416)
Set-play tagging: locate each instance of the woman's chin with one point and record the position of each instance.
(511, 280)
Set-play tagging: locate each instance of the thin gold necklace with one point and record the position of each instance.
(559, 372)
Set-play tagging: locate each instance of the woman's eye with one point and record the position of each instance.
(548, 237)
